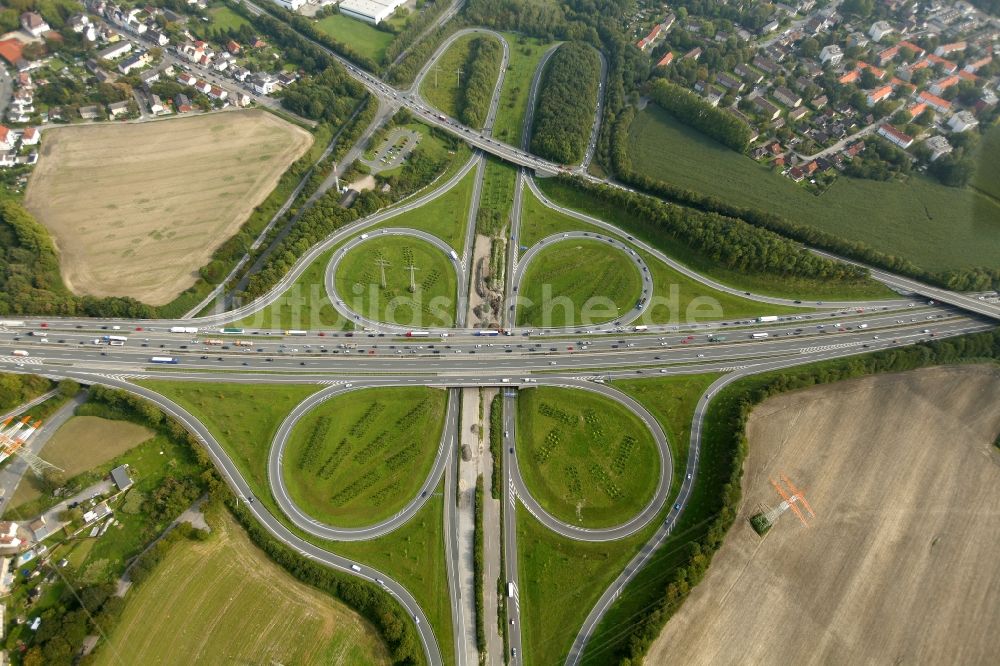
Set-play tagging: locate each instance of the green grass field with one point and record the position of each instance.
(600, 282)
(359, 282)
(361, 457)
(498, 187)
(303, 306)
(362, 37)
(759, 284)
(224, 18)
(225, 601)
(244, 419)
(936, 227)
(586, 459)
(525, 52)
(445, 217)
(539, 221)
(441, 86)
(987, 175)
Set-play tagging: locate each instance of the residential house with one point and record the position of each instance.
(850, 77)
(918, 52)
(116, 109)
(115, 51)
(945, 49)
(149, 77)
(962, 121)
(263, 84)
(857, 39)
(243, 99)
(831, 55)
(768, 110)
(877, 72)
(947, 66)
(769, 27)
(797, 114)
(713, 96)
(135, 61)
(796, 174)
(916, 109)
(156, 105)
(286, 79)
(941, 85)
(183, 103)
(8, 138)
(877, 95)
(89, 112)
(694, 54)
(34, 24)
(894, 136)
(748, 74)
(157, 37)
(215, 92)
(766, 64)
(729, 82)
(203, 86)
(121, 477)
(196, 52)
(187, 79)
(879, 30)
(938, 146)
(787, 97)
(885, 55)
(667, 58)
(935, 102)
(855, 148)
(819, 102)
(975, 65)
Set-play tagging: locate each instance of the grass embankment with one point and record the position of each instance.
(364, 38)
(525, 53)
(359, 458)
(936, 227)
(375, 280)
(83, 442)
(303, 306)
(586, 459)
(561, 580)
(224, 600)
(445, 216)
(600, 281)
(785, 287)
(244, 419)
(441, 87)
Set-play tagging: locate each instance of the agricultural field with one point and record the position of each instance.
(303, 306)
(585, 272)
(936, 227)
(525, 54)
(225, 601)
(359, 458)
(441, 87)
(587, 460)
(444, 217)
(364, 38)
(114, 238)
(83, 442)
(902, 476)
(987, 175)
(360, 283)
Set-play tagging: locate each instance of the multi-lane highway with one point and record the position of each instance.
(583, 357)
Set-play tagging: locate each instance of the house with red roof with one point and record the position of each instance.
(666, 59)
(935, 102)
(948, 66)
(10, 50)
(879, 94)
(941, 85)
(894, 136)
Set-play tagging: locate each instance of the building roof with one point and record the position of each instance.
(879, 94)
(934, 100)
(890, 131)
(121, 477)
(10, 50)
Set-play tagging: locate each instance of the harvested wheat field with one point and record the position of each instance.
(898, 565)
(224, 602)
(136, 209)
(80, 444)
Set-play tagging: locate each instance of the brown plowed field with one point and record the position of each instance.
(899, 565)
(136, 209)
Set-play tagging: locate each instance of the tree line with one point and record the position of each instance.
(481, 65)
(415, 27)
(18, 389)
(692, 110)
(329, 96)
(565, 112)
(726, 442)
(971, 279)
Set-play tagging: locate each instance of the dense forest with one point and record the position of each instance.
(692, 110)
(485, 54)
(330, 96)
(565, 113)
(18, 389)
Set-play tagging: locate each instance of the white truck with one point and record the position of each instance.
(761, 320)
(758, 336)
(183, 329)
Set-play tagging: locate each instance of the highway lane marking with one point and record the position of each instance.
(824, 348)
(22, 360)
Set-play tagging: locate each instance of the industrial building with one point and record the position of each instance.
(370, 11)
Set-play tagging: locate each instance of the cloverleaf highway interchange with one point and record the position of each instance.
(511, 358)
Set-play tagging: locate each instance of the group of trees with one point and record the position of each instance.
(565, 113)
(880, 161)
(329, 96)
(18, 389)
(485, 55)
(727, 445)
(415, 27)
(692, 110)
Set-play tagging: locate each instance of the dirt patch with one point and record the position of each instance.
(136, 209)
(82, 443)
(899, 563)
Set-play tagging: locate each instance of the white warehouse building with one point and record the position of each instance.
(370, 11)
